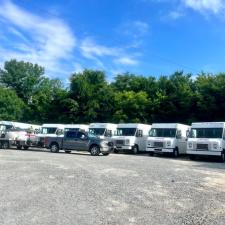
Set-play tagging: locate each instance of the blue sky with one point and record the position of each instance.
(147, 37)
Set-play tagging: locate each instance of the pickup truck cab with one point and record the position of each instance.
(79, 141)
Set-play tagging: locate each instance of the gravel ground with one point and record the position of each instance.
(38, 187)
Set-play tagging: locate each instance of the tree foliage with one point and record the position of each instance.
(27, 95)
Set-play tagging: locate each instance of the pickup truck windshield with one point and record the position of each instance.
(206, 133)
(48, 130)
(126, 131)
(162, 132)
(97, 131)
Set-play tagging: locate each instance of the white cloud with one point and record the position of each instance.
(214, 6)
(175, 15)
(47, 40)
(126, 61)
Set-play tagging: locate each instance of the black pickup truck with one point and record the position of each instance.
(79, 141)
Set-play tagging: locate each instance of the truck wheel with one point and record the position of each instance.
(135, 149)
(5, 145)
(19, 147)
(223, 156)
(26, 147)
(105, 153)
(151, 153)
(176, 153)
(54, 148)
(116, 150)
(192, 157)
(67, 151)
(95, 151)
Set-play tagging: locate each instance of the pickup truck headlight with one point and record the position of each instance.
(127, 142)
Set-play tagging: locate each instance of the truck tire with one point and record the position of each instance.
(176, 153)
(54, 147)
(151, 153)
(105, 153)
(116, 150)
(223, 156)
(19, 147)
(135, 149)
(5, 145)
(25, 147)
(67, 151)
(95, 150)
(192, 157)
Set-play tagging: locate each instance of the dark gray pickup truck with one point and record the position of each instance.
(79, 141)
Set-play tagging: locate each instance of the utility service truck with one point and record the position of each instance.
(208, 139)
(167, 138)
(131, 137)
(103, 130)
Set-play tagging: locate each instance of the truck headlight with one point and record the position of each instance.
(190, 145)
(127, 142)
(215, 145)
(168, 143)
(149, 143)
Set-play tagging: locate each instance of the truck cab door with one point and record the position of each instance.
(82, 141)
(69, 139)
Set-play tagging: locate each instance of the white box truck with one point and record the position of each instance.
(207, 138)
(103, 130)
(49, 130)
(76, 127)
(167, 138)
(131, 137)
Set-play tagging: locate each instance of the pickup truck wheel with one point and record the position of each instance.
(95, 150)
(135, 149)
(67, 151)
(105, 153)
(54, 148)
(116, 150)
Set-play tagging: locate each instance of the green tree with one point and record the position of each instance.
(23, 77)
(11, 106)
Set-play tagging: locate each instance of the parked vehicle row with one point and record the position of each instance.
(207, 138)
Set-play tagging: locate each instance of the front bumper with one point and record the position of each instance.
(123, 147)
(160, 150)
(195, 152)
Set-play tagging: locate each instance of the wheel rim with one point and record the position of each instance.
(54, 148)
(94, 150)
(135, 150)
(176, 153)
(223, 157)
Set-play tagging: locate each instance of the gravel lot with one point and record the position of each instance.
(38, 187)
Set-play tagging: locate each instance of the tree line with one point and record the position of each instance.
(27, 95)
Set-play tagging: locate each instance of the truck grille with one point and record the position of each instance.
(202, 146)
(119, 142)
(158, 144)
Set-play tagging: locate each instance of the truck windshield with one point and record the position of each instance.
(206, 133)
(48, 130)
(162, 132)
(97, 131)
(126, 131)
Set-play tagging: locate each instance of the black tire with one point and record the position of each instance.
(67, 151)
(54, 148)
(151, 153)
(95, 150)
(5, 145)
(116, 150)
(19, 147)
(192, 157)
(223, 156)
(105, 153)
(135, 149)
(25, 147)
(176, 153)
